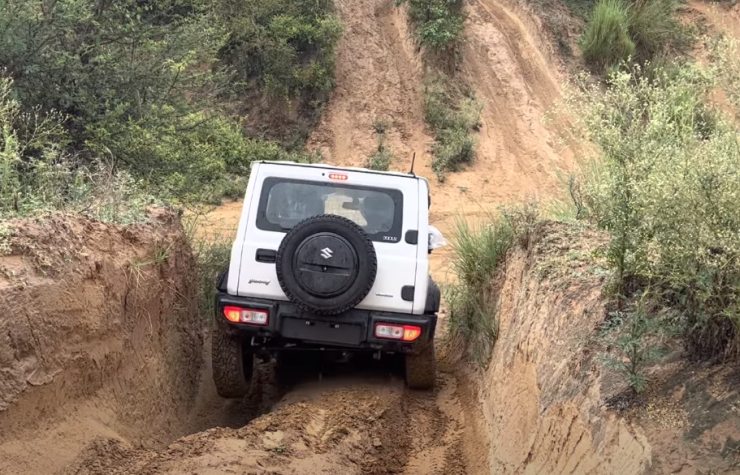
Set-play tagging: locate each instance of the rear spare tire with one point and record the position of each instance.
(326, 264)
(232, 363)
(421, 368)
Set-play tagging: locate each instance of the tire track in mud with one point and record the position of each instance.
(366, 423)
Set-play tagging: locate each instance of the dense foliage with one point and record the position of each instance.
(147, 86)
(667, 188)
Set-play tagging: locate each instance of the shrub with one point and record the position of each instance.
(478, 253)
(144, 84)
(452, 115)
(36, 174)
(285, 47)
(606, 40)
(439, 23)
(634, 339)
(666, 187)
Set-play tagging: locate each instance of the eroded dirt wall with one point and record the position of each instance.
(541, 394)
(99, 337)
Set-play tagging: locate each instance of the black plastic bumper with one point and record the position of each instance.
(290, 327)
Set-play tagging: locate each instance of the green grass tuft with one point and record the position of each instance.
(606, 40)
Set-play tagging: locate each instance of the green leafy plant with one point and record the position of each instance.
(439, 23)
(666, 187)
(634, 340)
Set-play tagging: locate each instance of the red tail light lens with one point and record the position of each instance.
(250, 316)
(389, 331)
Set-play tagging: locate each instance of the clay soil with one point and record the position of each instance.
(104, 365)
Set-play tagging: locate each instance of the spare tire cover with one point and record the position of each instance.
(326, 264)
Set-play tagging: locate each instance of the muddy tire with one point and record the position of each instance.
(421, 368)
(232, 364)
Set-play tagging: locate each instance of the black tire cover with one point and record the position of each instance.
(326, 264)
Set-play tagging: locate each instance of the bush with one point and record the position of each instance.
(666, 187)
(439, 23)
(452, 116)
(143, 85)
(606, 40)
(36, 174)
(285, 47)
(381, 159)
(478, 253)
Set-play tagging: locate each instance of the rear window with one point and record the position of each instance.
(285, 203)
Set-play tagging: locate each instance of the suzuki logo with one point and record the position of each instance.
(326, 253)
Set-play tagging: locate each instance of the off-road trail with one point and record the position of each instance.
(380, 78)
(88, 397)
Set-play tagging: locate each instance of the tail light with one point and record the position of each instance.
(389, 331)
(250, 316)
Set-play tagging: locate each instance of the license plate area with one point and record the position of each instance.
(322, 331)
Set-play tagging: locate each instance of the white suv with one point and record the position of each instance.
(327, 258)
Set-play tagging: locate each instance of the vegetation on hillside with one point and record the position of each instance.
(450, 107)
(666, 187)
(147, 90)
(618, 30)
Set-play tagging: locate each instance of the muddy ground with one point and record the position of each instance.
(104, 364)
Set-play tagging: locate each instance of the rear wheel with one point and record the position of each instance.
(232, 363)
(421, 368)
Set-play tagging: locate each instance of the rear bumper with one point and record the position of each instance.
(290, 327)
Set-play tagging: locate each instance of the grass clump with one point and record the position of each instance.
(618, 30)
(453, 115)
(606, 40)
(382, 157)
(212, 259)
(478, 253)
(666, 187)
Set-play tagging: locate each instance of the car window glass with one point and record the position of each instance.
(289, 203)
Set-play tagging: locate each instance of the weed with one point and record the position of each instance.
(212, 259)
(478, 253)
(453, 115)
(634, 340)
(606, 40)
(382, 158)
(5, 235)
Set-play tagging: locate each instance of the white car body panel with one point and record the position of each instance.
(400, 263)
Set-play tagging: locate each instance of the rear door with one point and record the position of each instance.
(284, 194)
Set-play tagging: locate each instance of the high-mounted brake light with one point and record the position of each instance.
(250, 316)
(390, 331)
(338, 176)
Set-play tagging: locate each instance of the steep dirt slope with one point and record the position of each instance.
(100, 341)
(552, 406)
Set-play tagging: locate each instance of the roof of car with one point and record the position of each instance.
(333, 167)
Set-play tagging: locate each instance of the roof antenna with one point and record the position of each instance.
(413, 160)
